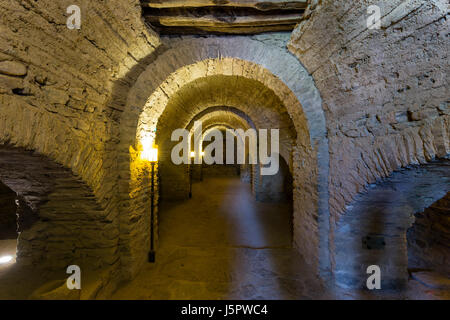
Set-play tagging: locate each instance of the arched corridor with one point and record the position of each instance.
(58, 223)
(224, 149)
(223, 244)
(245, 84)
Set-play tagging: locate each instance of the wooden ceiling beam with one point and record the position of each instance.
(211, 21)
(263, 5)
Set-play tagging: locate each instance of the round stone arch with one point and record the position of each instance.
(249, 98)
(222, 110)
(60, 221)
(245, 170)
(264, 188)
(221, 118)
(190, 59)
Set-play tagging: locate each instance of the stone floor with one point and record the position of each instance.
(15, 282)
(222, 244)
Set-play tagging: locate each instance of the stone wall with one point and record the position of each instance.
(180, 80)
(429, 238)
(82, 98)
(59, 220)
(219, 170)
(385, 92)
(60, 95)
(373, 229)
(276, 188)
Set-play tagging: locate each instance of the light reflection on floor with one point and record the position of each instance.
(222, 244)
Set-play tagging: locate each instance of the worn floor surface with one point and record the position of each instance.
(222, 244)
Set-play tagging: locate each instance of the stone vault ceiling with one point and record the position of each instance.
(222, 16)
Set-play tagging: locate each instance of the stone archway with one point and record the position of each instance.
(261, 107)
(225, 119)
(64, 224)
(373, 231)
(192, 60)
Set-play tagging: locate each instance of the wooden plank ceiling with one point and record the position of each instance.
(222, 16)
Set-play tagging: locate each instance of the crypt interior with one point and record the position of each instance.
(87, 116)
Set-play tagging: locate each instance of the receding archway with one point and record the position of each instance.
(144, 111)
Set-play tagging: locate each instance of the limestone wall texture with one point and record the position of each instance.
(385, 92)
(189, 74)
(59, 220)
(373, 230)
(59, 92)
(83, 98)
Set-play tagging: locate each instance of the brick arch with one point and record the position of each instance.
(218, 126)
(211, 116)
(222, 126)
(215, 123)
(285, 150)
(185, 61)
(373, 231)
(75, 148)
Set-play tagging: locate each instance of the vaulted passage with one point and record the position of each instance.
(218, 97)
(223, 244)
(123, 125)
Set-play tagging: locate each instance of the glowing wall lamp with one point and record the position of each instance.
(150, 154)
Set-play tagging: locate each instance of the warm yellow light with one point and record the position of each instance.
(5, 259)
(150, 155)
(149, 150)
(193, 154)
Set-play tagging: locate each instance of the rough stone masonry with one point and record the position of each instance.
(357, 104)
